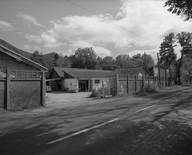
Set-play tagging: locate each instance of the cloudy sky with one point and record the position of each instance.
(111, 27)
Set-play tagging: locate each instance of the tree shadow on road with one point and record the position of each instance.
(136, 139)
(28, 141)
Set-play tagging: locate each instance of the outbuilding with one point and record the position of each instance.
(75, 80)
(22, 81)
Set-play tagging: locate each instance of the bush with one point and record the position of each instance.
(74, 91)
(94, 93)
(149, 88)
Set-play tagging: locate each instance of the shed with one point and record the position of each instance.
(22, 81)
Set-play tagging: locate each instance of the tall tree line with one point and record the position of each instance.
(169, 57)
(86, 58)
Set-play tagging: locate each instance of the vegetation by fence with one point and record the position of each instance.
(123, 85)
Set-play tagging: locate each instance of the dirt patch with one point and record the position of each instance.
(57, 98)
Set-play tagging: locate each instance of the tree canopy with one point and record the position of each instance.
(84, 58)
(168, 55)
(62, 61)
(180, 7)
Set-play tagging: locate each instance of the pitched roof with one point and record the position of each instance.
(16, 50)
(126, 71)
(81, 73)
(21, 57)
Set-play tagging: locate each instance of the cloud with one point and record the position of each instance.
(29, 19)
(137, 24)
(34, 38)
(27, 47)
(48, 40)
(37, 48)
(100, 51)
(5, 26)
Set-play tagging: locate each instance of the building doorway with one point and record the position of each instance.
(83, 85)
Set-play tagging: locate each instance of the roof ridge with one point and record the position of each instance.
(23, 57)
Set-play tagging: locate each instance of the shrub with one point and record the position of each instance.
(149, 88)
(74, 91)
(94, 93)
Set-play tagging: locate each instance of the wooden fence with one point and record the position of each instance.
(20, 89)
(123, 85)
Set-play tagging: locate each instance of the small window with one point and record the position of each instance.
(97, 81)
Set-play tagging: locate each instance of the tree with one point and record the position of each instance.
(143, 60)
(180, 7)
(124, 61)
(63, 61)
(84, 58)
(168, 55)
(38, 57)
(185, 41)
(187, 66)
(107, 63)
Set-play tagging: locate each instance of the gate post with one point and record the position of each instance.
(128, 84)
(8, 89)
(43, 89)
(117, 84)
(135, 83)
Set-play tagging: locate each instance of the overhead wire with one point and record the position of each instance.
(110, 22)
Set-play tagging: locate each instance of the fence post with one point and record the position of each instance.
(43, 89)
(127, 84)
(135, 83)
(109, 86)
(142, 81)
(148, 81)
(162, 81)
(8, 89)
(117, 84)
(103, 93)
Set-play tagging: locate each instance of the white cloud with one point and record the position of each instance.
(34, 38)
(5, 26)
(142, 23)
(48, 40)
(27, 47)
(37, 48)
(29, 19)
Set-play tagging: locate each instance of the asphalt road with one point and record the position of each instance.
(45, 130)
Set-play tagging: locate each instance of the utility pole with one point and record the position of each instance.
(145, 62)
(158, 68)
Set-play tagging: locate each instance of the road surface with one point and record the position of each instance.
(96, 127)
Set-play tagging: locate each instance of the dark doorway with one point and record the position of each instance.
(83, 85)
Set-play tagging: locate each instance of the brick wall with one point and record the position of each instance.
(25, 94)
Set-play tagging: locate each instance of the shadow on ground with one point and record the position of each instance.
(27, 142)
(126, 138)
